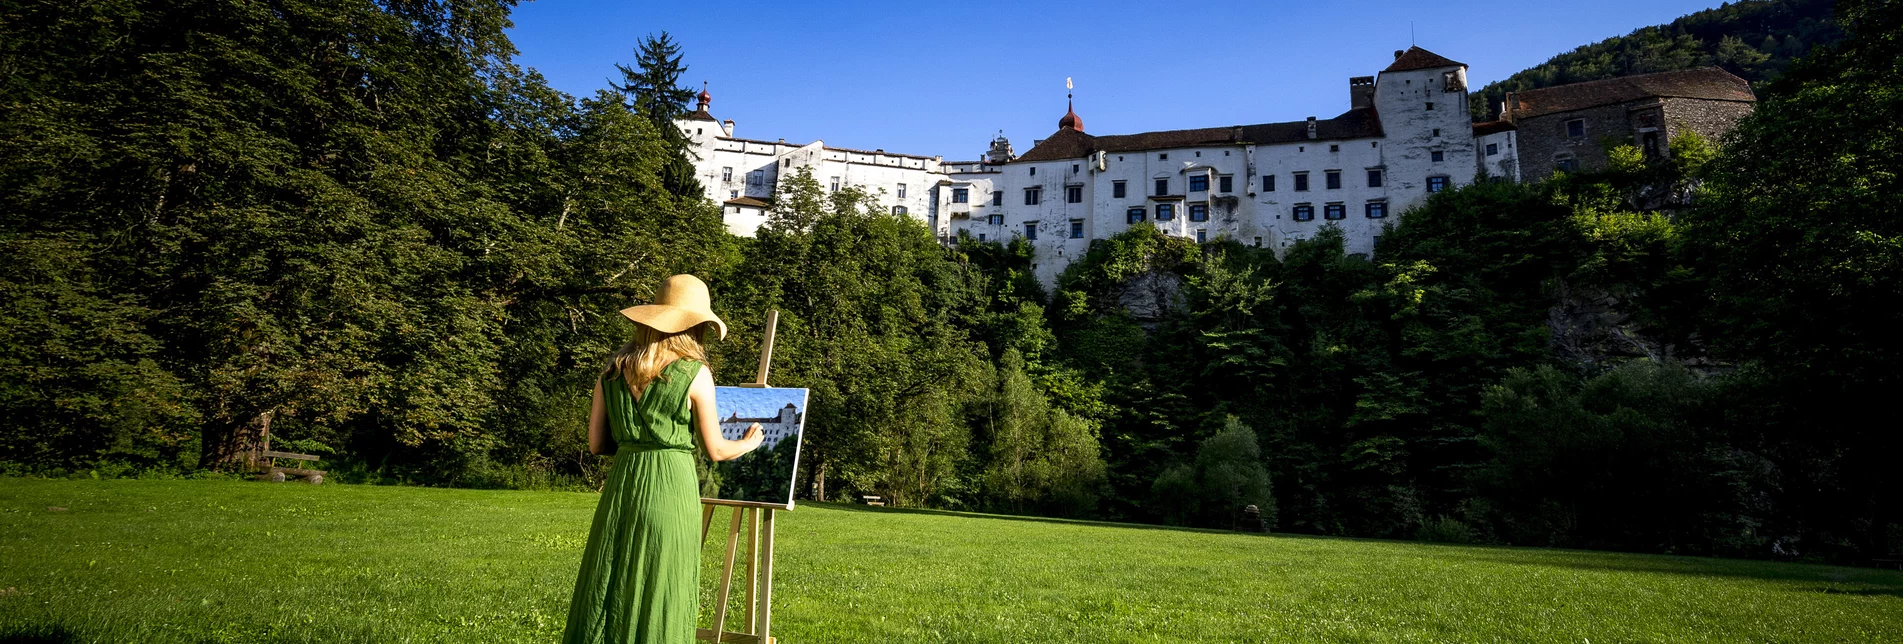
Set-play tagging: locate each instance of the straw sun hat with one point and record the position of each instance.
(679, 304)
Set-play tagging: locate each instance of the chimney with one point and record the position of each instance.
(1361, 92)
(1397, 54)
(1311, 127)
(1506, 107)
(729, 126)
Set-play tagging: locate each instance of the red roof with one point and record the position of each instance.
(1074, 144)
(1417, 58)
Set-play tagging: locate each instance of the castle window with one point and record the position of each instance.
(1163, 157)
(1576, 129)
(1117, 189)
(1202, 236)
(1199, 183)
(898, 210)
(1076, 229)
(981, 236)
(1430, 106)
(1268, 183)
(1135, 215)
(1304, 212)
(1073, 168)
(1162, 187)
(1198, 212)
(1332, 179)
(1377, 209)
(1258, 242)
(1301, 182)
(1493, 149)
(1436, 184)
(756, 177)
(835, 184)
(1226, 183)
(726, 174)
(1030, 230)
(995, 220)
(1374, 178)
(1565, 162)
(1165, 212)
(733, 194)
(1437, 156)
(997, 198)
(1033, 196)
(901, 191)
(1033, 171)
(1334, 147)
(1436, 131)
(961, 195)
(1074, 194)
(1335, 211)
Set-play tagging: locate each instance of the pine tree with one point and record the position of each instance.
(652, 88)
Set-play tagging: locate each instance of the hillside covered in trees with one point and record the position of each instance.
(1755, 39)
(405, 253)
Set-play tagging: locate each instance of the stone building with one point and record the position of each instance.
(743, 174)
(1406, 134)
(1566, 127)
(1496, 150)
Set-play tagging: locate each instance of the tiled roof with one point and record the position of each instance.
(1705, 82)
(749, 202)
(698, 115)
(1417, 58)
(1072, 144)
(1493, 127)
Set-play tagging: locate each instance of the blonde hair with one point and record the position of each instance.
(641, 360)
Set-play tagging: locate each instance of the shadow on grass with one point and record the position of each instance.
(1882, 582)
(856, 507)
(1878, 582)
(37, 635)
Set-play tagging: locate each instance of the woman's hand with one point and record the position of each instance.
(755, 434)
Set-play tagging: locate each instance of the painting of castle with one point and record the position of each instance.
(765, 475)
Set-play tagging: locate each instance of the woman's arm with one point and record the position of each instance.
(707, 422)
(600, 440)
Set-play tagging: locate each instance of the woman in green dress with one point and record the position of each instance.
(640, 574)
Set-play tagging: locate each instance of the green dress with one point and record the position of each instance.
(640, 574)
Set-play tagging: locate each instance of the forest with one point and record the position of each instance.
(364, 227)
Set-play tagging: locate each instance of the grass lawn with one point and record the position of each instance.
(194, 561)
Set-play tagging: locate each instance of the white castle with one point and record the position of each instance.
(787, 423)
(1406, 134)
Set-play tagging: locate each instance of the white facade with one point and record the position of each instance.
(743, 174)
(1406, 133)
(775, 428)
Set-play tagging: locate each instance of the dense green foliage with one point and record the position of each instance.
(229, 561)
(1755, 39)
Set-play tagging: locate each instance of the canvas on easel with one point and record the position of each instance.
(764, 475)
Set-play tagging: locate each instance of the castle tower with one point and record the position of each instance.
(1070, 121)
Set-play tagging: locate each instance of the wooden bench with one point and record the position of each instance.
(873, 500)
(1888, 563)
(267, 460)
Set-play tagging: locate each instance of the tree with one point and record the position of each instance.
(652, 87)
(1226, 475)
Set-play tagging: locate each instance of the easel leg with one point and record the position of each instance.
(753, 566)
(726, 577)
(763, 615)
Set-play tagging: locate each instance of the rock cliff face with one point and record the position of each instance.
(1593, 328)
(1152, 296)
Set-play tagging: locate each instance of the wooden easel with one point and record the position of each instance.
(759, 538)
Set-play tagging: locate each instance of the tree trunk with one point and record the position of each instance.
(819, 481)
(235, 445)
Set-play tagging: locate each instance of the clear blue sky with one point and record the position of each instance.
(941, 78)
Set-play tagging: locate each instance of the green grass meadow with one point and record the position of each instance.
(239, 561)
